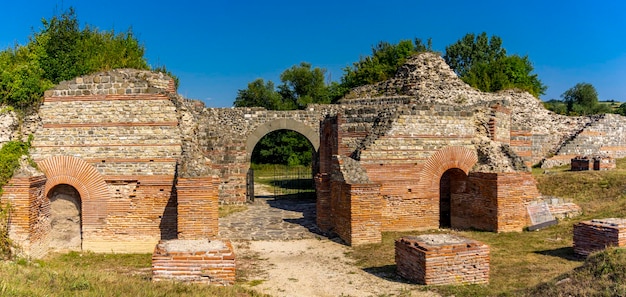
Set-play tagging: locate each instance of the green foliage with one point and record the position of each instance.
(303, 85)
(5, 242)
(71, 52)
(482, 63)
(582, 99)
(259, 94)
(622, 109)
(602, 274)
(283, 147)
(505, 73)
(60, 51)
(556, 106)
(10, 154)
(384, 62)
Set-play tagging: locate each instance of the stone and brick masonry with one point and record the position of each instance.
(149, 165)
(442, 259)
(596, 235)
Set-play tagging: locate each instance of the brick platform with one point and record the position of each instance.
(442, 259)
(196, 261)
(595, 235)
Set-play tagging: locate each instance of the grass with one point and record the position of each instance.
(528, 262)
(89, 274)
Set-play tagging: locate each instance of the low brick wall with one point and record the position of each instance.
(581, 164)
(595, 235)
(195, 261)
(442, 259)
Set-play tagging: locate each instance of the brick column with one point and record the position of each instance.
(29, 223)
(322, 190)
(197, 207)
(366, 214)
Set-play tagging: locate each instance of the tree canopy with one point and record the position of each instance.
(300, 85)
(383, 64)
(60, 51)
(482, 63)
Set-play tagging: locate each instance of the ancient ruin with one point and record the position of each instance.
(442, 259)
(129, 162)
(595, 235)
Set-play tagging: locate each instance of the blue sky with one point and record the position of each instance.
(218, 47)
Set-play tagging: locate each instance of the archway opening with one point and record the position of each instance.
(283, 164)
(65, 218)
(453, 182)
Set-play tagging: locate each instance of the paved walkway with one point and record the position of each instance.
(270, 219)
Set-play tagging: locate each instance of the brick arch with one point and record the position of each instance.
(442, 160)
(281, 124)
(85, 179)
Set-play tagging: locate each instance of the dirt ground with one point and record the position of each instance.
(312, 267)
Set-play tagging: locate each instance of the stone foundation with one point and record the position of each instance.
(442, 259)
(195, 261)
(595, 235)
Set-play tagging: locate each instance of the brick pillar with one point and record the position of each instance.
(197, 207)
(29, 223)
(322, 190)
(366, 214)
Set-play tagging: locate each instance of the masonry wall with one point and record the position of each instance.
(123, 124)
(606, 135)
(227, 137)
(29, 219)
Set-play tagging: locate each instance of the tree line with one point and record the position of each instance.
(62, 50)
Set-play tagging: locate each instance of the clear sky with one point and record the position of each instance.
(218, 47)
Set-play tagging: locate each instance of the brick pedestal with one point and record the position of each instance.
(595, 235)
(442, 259)
(196, 261)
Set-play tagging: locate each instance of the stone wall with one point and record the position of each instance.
(117, 133)
(227, 137)
(605, 135)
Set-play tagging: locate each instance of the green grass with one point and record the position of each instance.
(528, 262)
(89, 274)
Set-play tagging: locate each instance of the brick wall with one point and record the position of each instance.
(442, 259)
(596, 235)
(197, 207)
(29, 222)
(194, 261)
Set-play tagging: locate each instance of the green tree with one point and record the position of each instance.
(302, 85)
(383, 64)
(259, 94)
(283, 147)
(61, 50)
(482, 63)
(622, 109)
(581, 99)
(471, 49)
